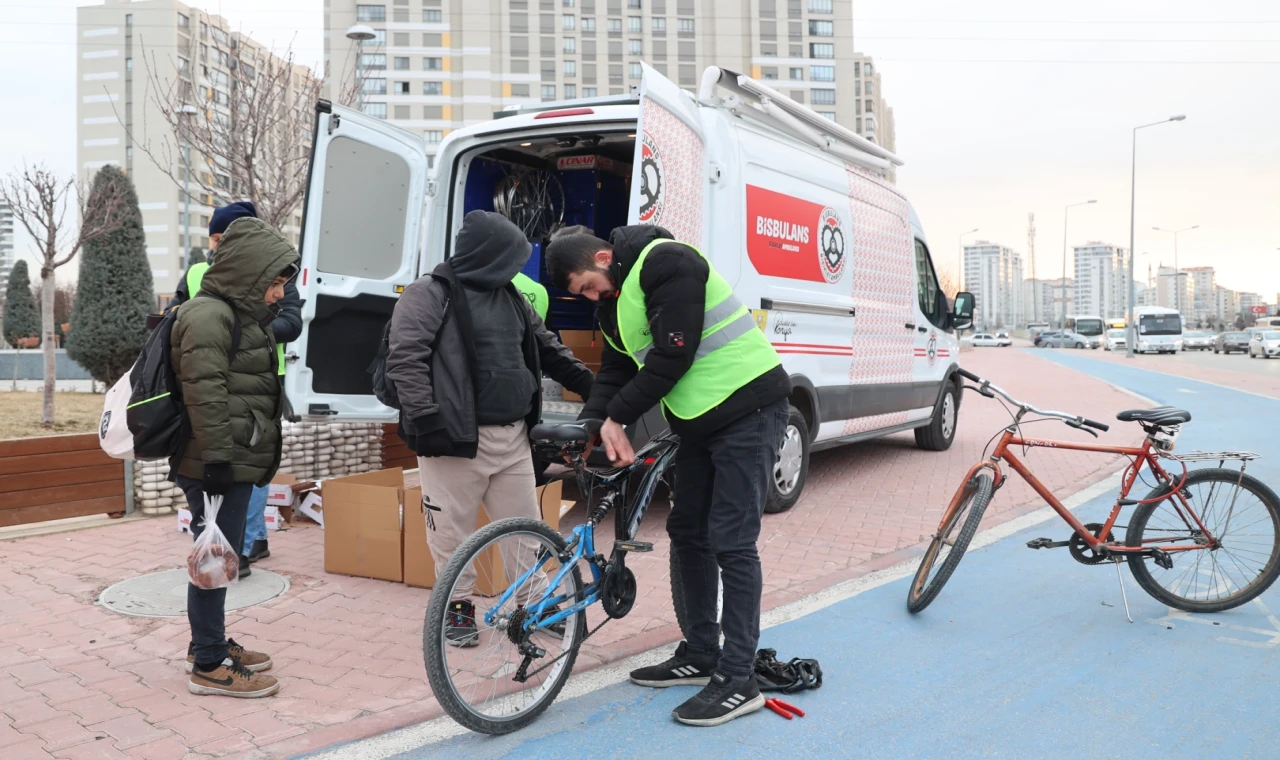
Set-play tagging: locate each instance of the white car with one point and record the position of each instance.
(1197, 341)
(1114, 340)
(987, 339)
(1265, 344)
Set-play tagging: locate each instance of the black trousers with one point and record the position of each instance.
(206, 608)
(721, 483)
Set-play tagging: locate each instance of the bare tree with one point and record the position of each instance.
(39, 200)
(247, 136)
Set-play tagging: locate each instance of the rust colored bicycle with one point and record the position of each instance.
(1203, 540)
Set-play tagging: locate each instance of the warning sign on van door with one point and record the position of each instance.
(794, 238)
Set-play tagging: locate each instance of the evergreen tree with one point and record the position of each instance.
(21, 319)
(114, 294)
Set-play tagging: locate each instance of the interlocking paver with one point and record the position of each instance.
(169, 748)
(94, 750)
(130, 730)
(60, 732)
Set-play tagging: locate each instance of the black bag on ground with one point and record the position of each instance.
(156, 415)
(797, 675)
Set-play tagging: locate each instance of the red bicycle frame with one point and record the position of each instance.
(1138, 456)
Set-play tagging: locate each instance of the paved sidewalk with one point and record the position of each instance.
(79, 681)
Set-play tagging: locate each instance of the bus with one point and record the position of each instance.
(1116, 324)
(1091, 327)
(1159, 330)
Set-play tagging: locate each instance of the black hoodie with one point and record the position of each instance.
(674, 281)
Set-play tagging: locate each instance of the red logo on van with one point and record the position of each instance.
(650, 181)
(793, 238)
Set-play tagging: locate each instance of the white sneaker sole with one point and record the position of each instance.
(191, 666)
(743, 709)
(702, 681)
(195, 688)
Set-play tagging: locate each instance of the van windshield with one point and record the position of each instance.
(1160, 324)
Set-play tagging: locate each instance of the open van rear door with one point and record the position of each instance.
(361, 230)
(667, 183)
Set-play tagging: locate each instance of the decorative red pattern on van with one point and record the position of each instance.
(883, 289)
(671, 155)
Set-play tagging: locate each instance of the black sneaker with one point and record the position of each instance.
(720, 701)
(680, 670)
(244, 567)
(460, 624)
(259, 550)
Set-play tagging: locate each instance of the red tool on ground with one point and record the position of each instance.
(782, 708)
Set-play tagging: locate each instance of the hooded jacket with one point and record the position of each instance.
(233, 408)
(674, 282)
(466, 349)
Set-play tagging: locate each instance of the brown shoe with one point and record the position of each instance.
(231, 679)
(254, 662)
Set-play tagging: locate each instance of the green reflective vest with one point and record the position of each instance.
(195, 275)
(733, 351)
(532, 290)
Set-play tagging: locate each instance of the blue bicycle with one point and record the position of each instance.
(508, 612)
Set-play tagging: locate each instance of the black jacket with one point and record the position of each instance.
(674, 281)
(287, 324)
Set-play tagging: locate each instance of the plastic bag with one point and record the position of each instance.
(213, 562)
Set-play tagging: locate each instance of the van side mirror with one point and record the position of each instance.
(962, 314)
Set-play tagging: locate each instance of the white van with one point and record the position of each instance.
(792, 209)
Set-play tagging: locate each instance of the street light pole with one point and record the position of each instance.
(1064, 259)
(361, 34)
(1133, 199)
(1177, 273)
(960, 283)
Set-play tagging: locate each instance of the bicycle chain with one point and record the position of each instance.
(521, 676)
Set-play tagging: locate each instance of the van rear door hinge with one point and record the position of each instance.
(431, 188)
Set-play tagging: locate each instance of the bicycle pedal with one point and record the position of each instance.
(1046, 543)
(1162, 558)
(633, 546)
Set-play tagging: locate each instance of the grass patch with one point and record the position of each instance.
(72, 413)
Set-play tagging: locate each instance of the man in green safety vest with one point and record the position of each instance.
(675, 334)
(285, 326)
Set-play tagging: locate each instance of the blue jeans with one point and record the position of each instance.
(255, 522)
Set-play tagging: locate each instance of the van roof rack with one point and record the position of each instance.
(751, 98)
(603, 100)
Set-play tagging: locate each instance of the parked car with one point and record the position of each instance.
(1197, 341)
(1231, 341)
(1041, 337)
(987, 339)
(1066, 339)
(1005, 335)
(1265, 344)
(1114, 340)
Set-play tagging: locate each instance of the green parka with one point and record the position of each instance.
(234, 410)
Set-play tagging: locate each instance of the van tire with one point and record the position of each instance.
(940, 432)
(795, 436)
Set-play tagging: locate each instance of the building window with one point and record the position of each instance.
(402, 88)
(183, 22)
(432, 16)
(374, 86)
(634, 4)
(867, 69)
(797, 73)
(615, 26)
(570, 22)
(183, 66)
(635, 47)
(824, 97)
(548, 92)
(868, 108)
(402, 64)
(372, 13)
(571, 68)
(635, 70)
(769, 72)
(128, 64)
(373, 61)
(204, 29)
(376, 110)
(822, 73)
(684, 25)
(859, 127)
(871, 124)
(432, 88)
(433, 136)
(432, 40)
(570, 3)
(822, 50)
(870, 88)
(660, 25)
(635, 24)
(821, 6)
(570, 45)
(589, 25)
(402, 112)
(797, 96)
(220, 36)
(432, 64)
(520, 90)
(828, 115)
(822, 28)
(570, 91)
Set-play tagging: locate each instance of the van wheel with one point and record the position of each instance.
(792, 468)
(941, 430)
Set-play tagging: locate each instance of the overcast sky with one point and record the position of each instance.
(1003, 107)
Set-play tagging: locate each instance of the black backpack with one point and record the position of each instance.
(383, 389)
(156, 415)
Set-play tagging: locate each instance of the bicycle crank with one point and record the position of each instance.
(1085, 554)
(618, 590)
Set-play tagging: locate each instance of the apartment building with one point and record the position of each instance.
(1247, 302)
(993, 273)
(437, 65)
(1176, 290)
(1101, 280)
(1226, 305)
(1203, 288)
(129, 54)
(1044, 300)
(7, 259)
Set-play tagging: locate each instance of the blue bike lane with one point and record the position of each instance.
(1025, 654)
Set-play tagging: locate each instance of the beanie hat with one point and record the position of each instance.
(223, 217)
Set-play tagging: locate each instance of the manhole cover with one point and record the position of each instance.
(164, 594)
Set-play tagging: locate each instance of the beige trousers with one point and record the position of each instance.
(500, 477)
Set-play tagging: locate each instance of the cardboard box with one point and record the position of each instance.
(271, 516)
(280, 491)
(184, 520)
(312, 507)
(363, 524)
(580, 342)
(419, 568)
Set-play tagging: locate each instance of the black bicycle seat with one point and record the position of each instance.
(1160, 415)
(581, 431)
